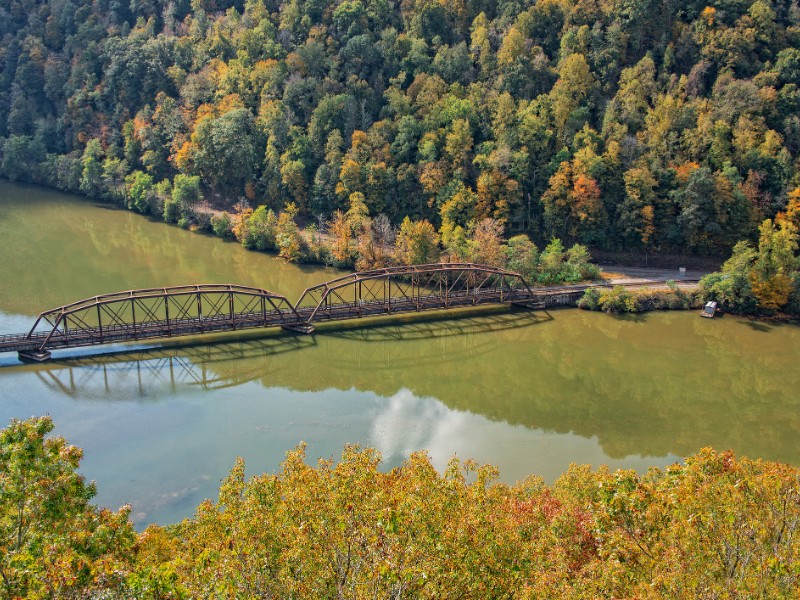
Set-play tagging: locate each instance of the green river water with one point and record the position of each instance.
(530, 392)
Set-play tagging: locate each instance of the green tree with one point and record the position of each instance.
(227, 151)
(551, 263)
(696, 202)
(92, 175)
(114, 173)
(220, 223)
(262, 229)
(522, 256)
(186, 190)
(21, 157)
(139, 190)
(53, 542)
(731, 286)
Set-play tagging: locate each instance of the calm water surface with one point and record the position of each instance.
(529, 392)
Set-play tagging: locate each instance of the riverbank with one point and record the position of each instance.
(313, 244)
(620, 299)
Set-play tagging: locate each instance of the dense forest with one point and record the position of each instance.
(635, 125)
(717, 526)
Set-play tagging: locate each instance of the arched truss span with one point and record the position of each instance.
(160, 312)
(410, 288)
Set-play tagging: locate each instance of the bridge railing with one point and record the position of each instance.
(413, 287)
(184, 310)
(156, 312)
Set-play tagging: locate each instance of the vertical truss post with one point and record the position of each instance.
(99, 322)
(230, 307)
(388, 293)
(133, 316)
(200, 311)
(166, 312)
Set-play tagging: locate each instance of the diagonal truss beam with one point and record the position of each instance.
(192, 309)
(413, 287)
(160, 312)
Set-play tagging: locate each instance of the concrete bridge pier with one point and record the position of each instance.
(306, 328)
(35, 356)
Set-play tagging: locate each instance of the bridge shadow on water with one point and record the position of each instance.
(274, 358)
(382, 354)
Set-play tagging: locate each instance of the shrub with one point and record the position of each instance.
(617, 300)
(221, 224)
(172, 210)
(590, 299)
(620, 300)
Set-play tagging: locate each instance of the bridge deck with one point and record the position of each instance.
(215, 308)
(162, 329)
(123, 333)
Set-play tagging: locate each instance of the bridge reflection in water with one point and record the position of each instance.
(151, 373)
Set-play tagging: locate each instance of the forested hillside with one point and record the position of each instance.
(639, 125)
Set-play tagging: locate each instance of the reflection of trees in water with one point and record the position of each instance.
(110, 250)
(665, 383)
(658, 385)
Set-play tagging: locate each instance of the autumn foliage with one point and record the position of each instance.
(760, 280)
(715, 526)
(629, 125)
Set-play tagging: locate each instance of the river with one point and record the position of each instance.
(530, 392)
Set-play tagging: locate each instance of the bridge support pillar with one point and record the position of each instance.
(306, 328)
(34, 356)
(531, 304)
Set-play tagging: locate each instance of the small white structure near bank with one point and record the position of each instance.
(709, 310)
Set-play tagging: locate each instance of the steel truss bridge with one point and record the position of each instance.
(145, 314)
